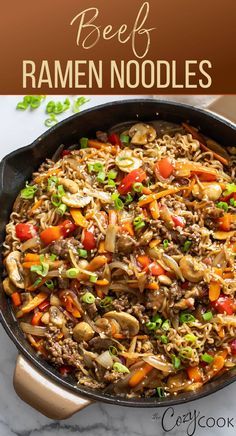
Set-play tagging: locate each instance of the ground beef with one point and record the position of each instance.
(61, 248)
(138, 311)
(63, 283)
(63, 352)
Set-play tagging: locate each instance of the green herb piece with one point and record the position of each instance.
(52, 257)
(93, 278)
(187, 246)
(164, 339)
(98, 167)
(118, 367)
(128, 199)
(119, 205)
(37, 282)
(186, 317)
(55, 200)
(72, 273)
(80, 101)
(176, 362)
(137, 187)
(165, 244)
(60, 191)
(166, 325)
(151, 325)
(106, 302)
(124, 138)
(28, 192)
(83, 142)
(49, 284)
(185, 353)
(32, 101)
(41, 270)
(139, 223)
(223, 205)
(57, 108)
(51, 121)
(232, 202)
(207, 316)
(111, 183)
(207, 358)
(88, 298)
(160, 392)
(113, 350)
(52, 182)
(230, 189)
(61, 210)
(157, 318)
(82, 253)
(101, 176)
(112, 174)
(190, 337)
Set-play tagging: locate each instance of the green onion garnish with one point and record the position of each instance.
(101, 176)
(61, 210)
(165, 244)
(190, 337)
(80, 101)
(82, 253)
(207, 358)
(113, 350)
(223, 205)
(137, 187)
(55, 200)
(52, 257)
(119, 205)
(57, 108)
(41, 270)
(232, 202)
(112, 174)
(32, 101)
(230, 189)
(105, 302)
(72, 273)
(166, 325)
(207, 316)
(37, 282)
(128, 199)
(185, 352)
(151, 325)
(160, 392)
(97, 167)
(52, 182)
(124, 138)
(88, 298)
(49, 284)
(164, 339)
(118, 367)
(28, 192)
(60, 191)
(51, 121)
(111, 183)
(186, 317)
(187, 245)
(139, 223)
(83, 142)
(93, 278)
(176, 362)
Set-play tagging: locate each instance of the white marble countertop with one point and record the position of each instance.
(214, 415)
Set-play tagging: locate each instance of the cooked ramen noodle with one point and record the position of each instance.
(120, 260)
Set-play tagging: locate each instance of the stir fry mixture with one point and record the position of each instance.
(120, 260)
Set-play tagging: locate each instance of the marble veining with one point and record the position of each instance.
(216, 413)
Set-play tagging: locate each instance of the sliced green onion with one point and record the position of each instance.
(80, 101)
(97, 167)
(32, 101)
(128, 199)
(113, 350)
(156, 318)
(88, 298)
(119, 205)
(37, 282)
(185, 353)
(124, 138)
(60, 191)
(207, 316)
(139, 223)
(41, 270)
(83, 142)
(90, 168)
(190, 337)
(72, 273)
(105, 302)
(28, 192)
(52, 257)
(230, 189)
(165, 244)
(232, 202)
(137, 187)
(57, 107)
(101, 176)
(118, 367)
(164, 339)
(49, 284)
(51, 121)
(55, 200)
(111, 183)
(207, 358)
(41, 258)
(166, 325)
(186, 317)
(112, 174)
(82, 253)
(176, 362)
(151, 325)
(187, 245)
(160, 392)
(93, 278)
(52, 182)
(61, 210)
(223, 205)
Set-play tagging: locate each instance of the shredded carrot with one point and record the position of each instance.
(33, 287)
(32, 304)
(52, 172)
(16, 299)
(139, 375)
(144, 261)
(218, 363)
(36, 318)
(102, 282)
(188, 192)
(119, 336)
(153, 286)
(36, 205)
(214, 290)
(200, 205)
(128, 227)
(154, 209)
(154, 243)
(146, 191)
(223, 353)
(156, 196)
(96, 263)
(96, 144)
(216, 155)
(31, 257)
(194, 374)
(28, 265)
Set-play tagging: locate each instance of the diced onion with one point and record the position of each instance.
(30, 243)
(171, 263)
(105, 360)
(159, 364)
(33, 329)
(110, 240)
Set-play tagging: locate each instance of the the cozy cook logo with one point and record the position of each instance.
(139, 71)
(89, 32)
(191, 422)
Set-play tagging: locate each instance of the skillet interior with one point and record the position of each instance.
(18, 166)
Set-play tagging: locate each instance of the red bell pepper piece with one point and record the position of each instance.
(68, 227)
(65, 153)
(127, 182)
(25, 231)
(114, 139)
(224, 304)
(164, 167)
(178, 221)
(88, 240)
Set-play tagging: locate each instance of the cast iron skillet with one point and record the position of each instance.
(18, 166)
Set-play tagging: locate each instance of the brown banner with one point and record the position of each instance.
(118, 47)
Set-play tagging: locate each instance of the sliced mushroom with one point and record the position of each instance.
(8, 286)
(191, 269)
(14, 269)
(69, 185)
(207, 191)
(141, 134)
(127, 161)
(83, 332)
(128, 323)
(76, 200)
(56, 316)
